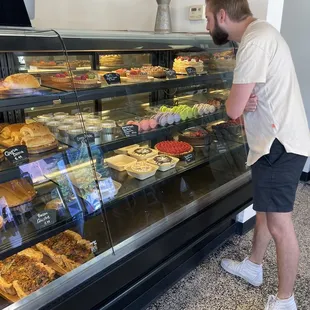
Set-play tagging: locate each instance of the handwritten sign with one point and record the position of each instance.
(112, 78)
(130, 130)
(171, 74)
(191, 71)
(44, 219)
(84, 138)
(16, 154)
(189, 157)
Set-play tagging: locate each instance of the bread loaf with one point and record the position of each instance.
(21, 81)
(34, 130)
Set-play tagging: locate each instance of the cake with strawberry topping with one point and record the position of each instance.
(174, 148)
(137, 75)
(182, 62)
(87, 79)
(62, 77)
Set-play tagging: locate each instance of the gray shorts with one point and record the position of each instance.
(275, 179)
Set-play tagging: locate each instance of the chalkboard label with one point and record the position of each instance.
(221, 147)
(16, 154)
(191, 71)
(130, 130)
(112, 78)
(84, 138)
(171, 74)
(189, 157)
(44, 219)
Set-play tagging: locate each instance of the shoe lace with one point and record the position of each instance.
(272, 300)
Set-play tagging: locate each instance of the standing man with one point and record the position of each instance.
(266, 91)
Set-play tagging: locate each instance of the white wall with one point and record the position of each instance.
(295, 29)
(120, 14)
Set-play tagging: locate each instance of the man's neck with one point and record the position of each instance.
(240, 28)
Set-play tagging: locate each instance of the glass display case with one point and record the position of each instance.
(116, 156)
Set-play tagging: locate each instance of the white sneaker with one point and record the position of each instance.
(281, 304)
(246, 270)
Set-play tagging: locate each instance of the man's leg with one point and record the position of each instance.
(282, 230)
(261, 239)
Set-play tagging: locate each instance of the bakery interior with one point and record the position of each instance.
(111, 145)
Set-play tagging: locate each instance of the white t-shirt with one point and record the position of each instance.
(264, 58)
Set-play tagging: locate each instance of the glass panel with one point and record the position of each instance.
(49, 188)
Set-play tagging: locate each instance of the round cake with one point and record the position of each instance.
(111, 61)
(137, 75)
(196, 136)
(162, 159)
(181, 63)
(88, 79)
(174, 148)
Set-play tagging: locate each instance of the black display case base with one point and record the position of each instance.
(243, 228)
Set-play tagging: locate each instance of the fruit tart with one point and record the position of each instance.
(196, 136)
(63, 77)
(174, 148)
(88, 79)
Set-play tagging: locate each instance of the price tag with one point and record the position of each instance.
(221, 147)
(191, 71)
(84, 138)
(44, 219)
(16, 154)
(171, 74)
(130, 130)
(112, 78)
(189, 157)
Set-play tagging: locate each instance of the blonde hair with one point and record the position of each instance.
(237, 10)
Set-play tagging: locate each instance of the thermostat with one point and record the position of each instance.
(197, 12)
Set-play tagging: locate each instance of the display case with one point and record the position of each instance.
(119, 166)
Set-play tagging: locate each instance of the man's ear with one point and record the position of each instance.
(221, 16)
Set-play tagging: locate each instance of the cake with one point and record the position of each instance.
(142, 153)
(223, 61)
(87, 79)
(181, 63)
(164, 162)
(154, 71)
(227, 130)
(122, 72)
(63, 77)
(174, 148)
(196, 136)
(137, 75)
(111, 61)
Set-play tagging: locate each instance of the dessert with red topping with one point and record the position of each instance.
(196, 136)
(174, 148)
(154, 71)
(63, 77)
(137, 75)
(121, 72)
(87, 79)
(182, 62)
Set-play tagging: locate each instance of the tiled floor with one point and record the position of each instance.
(209, 288)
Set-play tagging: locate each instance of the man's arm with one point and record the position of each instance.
(238, 99)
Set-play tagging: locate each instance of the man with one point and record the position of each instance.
(266, 91)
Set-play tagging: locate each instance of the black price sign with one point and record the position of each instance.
(112, 78)
(189, 157)
(84, 138)
(191, 71)
(221, 147)
(16, 154)
(130, 130)
(171, 74)
(44, 219)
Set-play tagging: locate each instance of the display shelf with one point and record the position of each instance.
(48, 95)
(131, 185)
(19, 233)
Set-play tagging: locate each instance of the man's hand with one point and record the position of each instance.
(252, 104)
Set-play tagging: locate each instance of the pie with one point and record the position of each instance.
(67, 249)
(174, 148)
(24, 273)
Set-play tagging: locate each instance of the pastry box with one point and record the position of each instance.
(164, 162)
(142, 170)
(142, 153)
(120, 162)
(124, 150)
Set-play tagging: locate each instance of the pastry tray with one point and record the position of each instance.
(42, 149)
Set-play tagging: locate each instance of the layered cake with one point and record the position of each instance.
(196, 136)
(154, 71)
(111, 61)
(137, 75)
(174, 148)
(223, 61)
(182, 62)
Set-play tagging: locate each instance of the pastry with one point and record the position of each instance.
(12, 132)
(111, 60)
(137, 75)
(67, 249)
(196, 136)
(182, 62)
(142, 153)
(21, 81)
(3, 125)
(24, 273)
(17, 192)
(55, 204)
(223, 61)
(141, 167)
(164, 162)
(1, 222)
(154, 71)
(145, 125)
(121, 72)
(63, 77)
(88, 79)
(174, 148)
